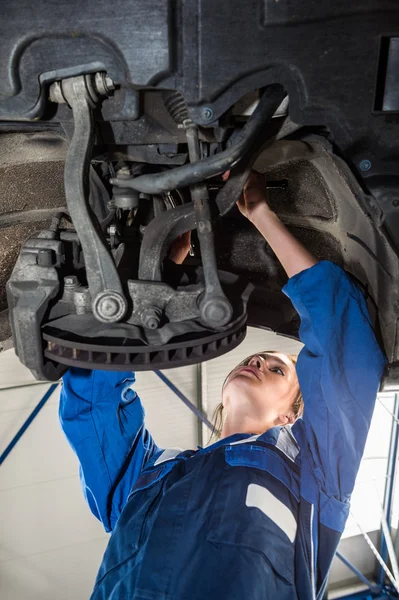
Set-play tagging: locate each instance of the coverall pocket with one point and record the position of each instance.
(135, 520)
(255, 512)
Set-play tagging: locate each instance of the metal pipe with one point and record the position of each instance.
(28, 421)
(214, 165)
(356, 571)
(182, 397)
(389, 485)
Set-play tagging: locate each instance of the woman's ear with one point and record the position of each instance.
(286, 419)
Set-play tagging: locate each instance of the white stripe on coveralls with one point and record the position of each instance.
(272, 507)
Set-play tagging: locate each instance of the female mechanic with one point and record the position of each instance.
(258, 514)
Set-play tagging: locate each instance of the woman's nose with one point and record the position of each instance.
(256, 361)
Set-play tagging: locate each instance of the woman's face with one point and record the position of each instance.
(262, 389)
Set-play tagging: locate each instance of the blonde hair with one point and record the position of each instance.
(217, 419)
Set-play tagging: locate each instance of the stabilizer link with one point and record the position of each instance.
(216, 310)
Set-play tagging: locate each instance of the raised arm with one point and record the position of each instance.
(341, 365)
(293, 256)
(103, 420)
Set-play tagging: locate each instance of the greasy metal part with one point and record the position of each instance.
(232, 190)
(197, 346)
(109, 306)
(46, 250)
(82, 301)
(215, 165)
(103, 84)
(216, 311)
(154, 154)
(160, 233)
(97, 84)
(158, 236)
(172, 203)
(177, 107)
(152, 318)
(39, 284)
(125, 198)
(327, 210)
(152, 300)
(71, 283)
(81, 94)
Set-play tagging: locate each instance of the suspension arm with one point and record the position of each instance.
(81, 94)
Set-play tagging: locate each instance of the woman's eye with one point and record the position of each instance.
(277, 370)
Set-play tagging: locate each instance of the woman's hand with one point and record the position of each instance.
(180, 248)
(253, 200)
(293, 256)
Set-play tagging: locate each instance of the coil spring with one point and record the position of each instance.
(176, 107)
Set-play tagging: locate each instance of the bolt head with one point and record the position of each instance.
(109, 306)
(216, 312)
(365, 165)
(152, 318)
(103, 84)
(123, 171)
(152, 323)
(207, 113)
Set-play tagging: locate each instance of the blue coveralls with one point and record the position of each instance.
(254, 517)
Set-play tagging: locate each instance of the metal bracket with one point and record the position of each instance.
(152, 299)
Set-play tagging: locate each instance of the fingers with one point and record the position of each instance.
(185, 240)
(180, 248)
(254, 193)
(256, 180)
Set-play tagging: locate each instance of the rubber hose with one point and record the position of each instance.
(189, 174)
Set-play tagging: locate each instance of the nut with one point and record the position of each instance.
(71, 281)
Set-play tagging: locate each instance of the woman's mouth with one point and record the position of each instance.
(250, 370)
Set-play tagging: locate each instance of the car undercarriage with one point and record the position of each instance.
(117, 124)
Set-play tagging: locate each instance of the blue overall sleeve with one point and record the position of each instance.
(339, 371)
(103, 420)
